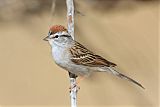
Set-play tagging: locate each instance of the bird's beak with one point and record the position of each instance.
(46, 38)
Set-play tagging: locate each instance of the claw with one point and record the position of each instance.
(73, 87)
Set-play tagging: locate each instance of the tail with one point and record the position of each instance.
(120, 75)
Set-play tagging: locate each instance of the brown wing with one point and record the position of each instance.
(82, 56)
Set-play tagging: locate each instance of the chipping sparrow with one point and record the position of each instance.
(75, 58)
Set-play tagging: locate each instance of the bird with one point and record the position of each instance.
(76, 58)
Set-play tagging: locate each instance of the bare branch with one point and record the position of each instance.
(70, 19)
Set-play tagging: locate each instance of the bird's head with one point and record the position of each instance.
(57, 34)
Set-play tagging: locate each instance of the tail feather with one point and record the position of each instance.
(120, 75)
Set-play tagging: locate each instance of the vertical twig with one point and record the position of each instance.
(70, 19)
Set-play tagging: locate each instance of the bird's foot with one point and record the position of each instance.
(74, 87)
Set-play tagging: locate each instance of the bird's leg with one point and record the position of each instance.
(73, 76)
(78, 79)
(74, 86)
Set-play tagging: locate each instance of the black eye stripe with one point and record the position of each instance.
(65, 35)
(57, 36)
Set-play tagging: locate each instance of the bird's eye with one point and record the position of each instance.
(56, 36)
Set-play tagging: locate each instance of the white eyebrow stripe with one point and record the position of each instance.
(61, 33)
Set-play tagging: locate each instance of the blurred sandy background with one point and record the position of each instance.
(123, 31)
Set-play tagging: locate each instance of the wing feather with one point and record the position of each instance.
(82, 56)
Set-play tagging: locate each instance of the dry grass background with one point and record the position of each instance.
(123, 31)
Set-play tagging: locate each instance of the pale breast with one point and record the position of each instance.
(60, 55)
